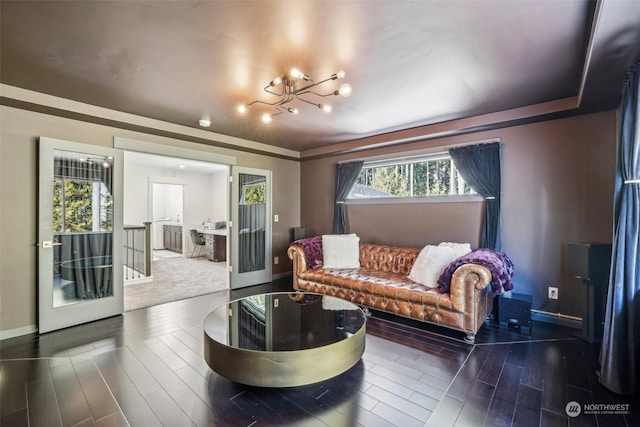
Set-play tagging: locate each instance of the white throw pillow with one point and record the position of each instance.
(459, 248)
(341, 251)
(430, 263)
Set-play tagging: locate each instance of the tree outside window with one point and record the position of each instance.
(81, 206)
(254, 194)
(422, 176)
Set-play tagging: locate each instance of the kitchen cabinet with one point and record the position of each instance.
(173, 238)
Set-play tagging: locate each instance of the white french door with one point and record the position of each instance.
(250, 231)
(80, 233)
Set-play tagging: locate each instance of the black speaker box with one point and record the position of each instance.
(298, 233)
(589, 261)
(515, 310)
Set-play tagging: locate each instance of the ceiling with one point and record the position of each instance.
(416, 67)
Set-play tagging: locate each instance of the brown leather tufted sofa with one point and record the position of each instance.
(382, 283)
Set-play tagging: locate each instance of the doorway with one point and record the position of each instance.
(166, 226)
(176, 195)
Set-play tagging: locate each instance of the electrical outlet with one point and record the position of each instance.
(553, 292)
(276, 260)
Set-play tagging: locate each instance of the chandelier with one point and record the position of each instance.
(286, 88)
(106, 162)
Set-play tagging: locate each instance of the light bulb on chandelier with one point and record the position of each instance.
(345, 90)
(105, 162)
(289, 91)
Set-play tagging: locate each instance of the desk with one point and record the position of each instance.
(215, 243)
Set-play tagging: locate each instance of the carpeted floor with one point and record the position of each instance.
(175, 279)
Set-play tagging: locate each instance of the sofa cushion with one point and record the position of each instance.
(341, 251)
(388, 258)
(312, 248)
(430, 264)
(379, 284)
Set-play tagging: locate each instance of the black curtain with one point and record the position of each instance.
(620, 352)
(86, 259)
(480, 167)
(346, 176)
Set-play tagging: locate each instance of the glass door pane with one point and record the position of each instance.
(80, 233)
(252, 222)
(82, 227)
(251, 227)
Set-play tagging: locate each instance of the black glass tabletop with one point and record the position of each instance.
(284, 322)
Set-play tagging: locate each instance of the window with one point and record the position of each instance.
(253, 190)
(420, 176)
(81, 206)
(253, 194)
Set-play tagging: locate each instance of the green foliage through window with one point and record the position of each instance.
(76, 203)
(434, 175)
(254, 194)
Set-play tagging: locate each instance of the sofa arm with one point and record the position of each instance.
(466, 284)
(296, 254)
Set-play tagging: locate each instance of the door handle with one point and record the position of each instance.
(50, 244)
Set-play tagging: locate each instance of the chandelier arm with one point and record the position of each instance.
(311, 82)
(286, 98)
(289, 92)
(316, 93)
(266, 89)
(272, 104)
(307, 87)
(308, 102)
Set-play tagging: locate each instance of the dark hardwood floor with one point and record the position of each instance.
(146, 368)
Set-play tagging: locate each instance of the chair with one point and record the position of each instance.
(198, 242)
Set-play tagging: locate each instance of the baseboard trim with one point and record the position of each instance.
(281, 275)
(556, 319)
(144, 279)
(12, 333)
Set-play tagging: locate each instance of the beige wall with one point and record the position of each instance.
(557, 188)
(18, 199)
(558, 182)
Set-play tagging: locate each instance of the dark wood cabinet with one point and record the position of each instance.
(216, 247)
(173, 238)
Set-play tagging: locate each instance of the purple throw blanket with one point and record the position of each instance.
(312, 247)
(497, 262)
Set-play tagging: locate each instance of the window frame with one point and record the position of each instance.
(406, 158)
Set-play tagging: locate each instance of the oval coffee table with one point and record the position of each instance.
(284, 339)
